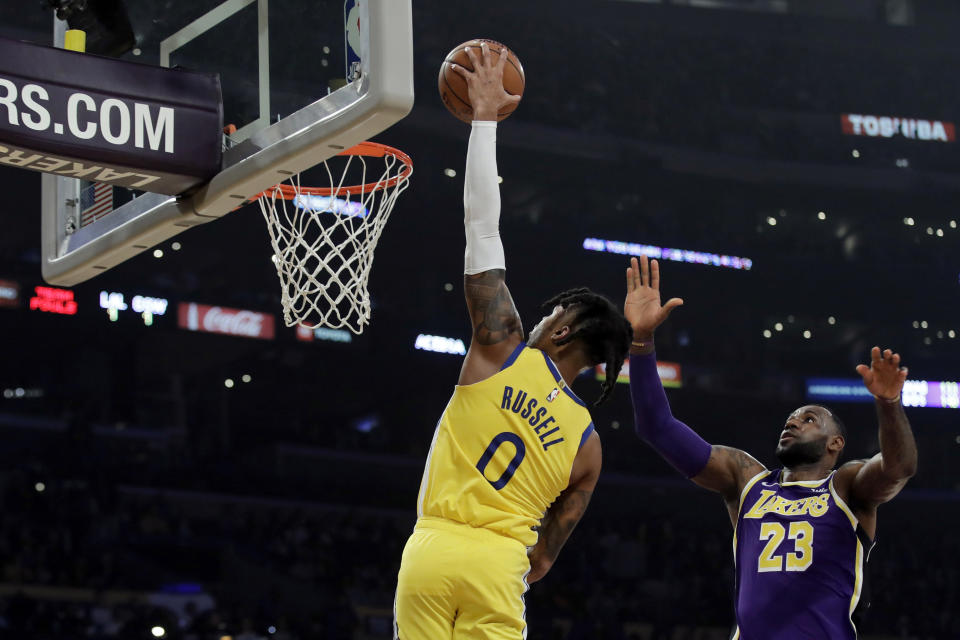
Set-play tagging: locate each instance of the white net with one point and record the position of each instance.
(323, 239)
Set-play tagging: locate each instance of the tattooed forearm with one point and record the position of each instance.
(560, 521)
(897, 445)
(884, 475)
(491, 307)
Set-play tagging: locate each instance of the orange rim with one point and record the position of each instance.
(366, 149)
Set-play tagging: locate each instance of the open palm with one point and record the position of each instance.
(642, 306)
(884, 377)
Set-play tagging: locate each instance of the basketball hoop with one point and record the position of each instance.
(323, 238)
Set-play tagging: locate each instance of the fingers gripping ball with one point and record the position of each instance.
(453, 87)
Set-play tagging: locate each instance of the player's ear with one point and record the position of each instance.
(560, 332)
(836, 444)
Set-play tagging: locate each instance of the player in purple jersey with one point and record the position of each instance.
(801, 533)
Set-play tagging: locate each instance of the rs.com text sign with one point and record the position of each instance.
(105, 120)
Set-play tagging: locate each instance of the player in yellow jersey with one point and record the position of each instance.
(515, 457)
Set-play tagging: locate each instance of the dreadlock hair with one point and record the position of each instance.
(602, 329)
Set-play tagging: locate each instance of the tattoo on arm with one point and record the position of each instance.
(882, 477)
(897, 443)
(727, 471)
(560, 521)
(491, 307)
(744, 462)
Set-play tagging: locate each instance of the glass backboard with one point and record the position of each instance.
(300, 82)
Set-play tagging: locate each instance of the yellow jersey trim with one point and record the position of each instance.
(743, 496)
(857, 584)
(805, 483)
(843, 505)
(752, 481)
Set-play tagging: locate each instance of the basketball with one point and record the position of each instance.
(453, 86)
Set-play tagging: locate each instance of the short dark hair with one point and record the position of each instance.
(600, 325)
(838, 423)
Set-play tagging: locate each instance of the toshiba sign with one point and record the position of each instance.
(231, 322)
(855, 124)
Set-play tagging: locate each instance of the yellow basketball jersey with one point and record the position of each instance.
(504, 448)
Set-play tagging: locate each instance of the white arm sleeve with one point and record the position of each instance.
(481, 201)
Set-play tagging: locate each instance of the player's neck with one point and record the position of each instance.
(800, 473)
(569, 364)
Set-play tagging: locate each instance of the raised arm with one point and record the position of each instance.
(718, 468)
(565, 512)
(882, 477)
(496, 323)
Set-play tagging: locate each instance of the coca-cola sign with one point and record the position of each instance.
(231, 322)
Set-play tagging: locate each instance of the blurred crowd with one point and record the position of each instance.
(87, 558)
(768, 86)
(142, 499)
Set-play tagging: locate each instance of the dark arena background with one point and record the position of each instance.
(795, 164)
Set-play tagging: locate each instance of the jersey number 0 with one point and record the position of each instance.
(521, 451)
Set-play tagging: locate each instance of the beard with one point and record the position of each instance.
(801, 453)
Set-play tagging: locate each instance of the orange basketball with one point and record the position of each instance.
(453, 87)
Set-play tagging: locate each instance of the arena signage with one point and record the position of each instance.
(147, 307)
(53, 300)
(231, 322)
(666, 253)
(916, 393)
(440, 344)
(9, 293)
(888, 126)
(669, 373)
(106, 120)
(306, 334)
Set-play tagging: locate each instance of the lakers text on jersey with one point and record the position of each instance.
(800, 555)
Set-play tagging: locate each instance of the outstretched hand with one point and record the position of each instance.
(642, 306)
(884, 377)
(485, 82)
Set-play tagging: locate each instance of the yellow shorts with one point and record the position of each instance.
(458, 582)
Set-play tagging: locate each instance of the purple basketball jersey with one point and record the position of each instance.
(799, 561)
